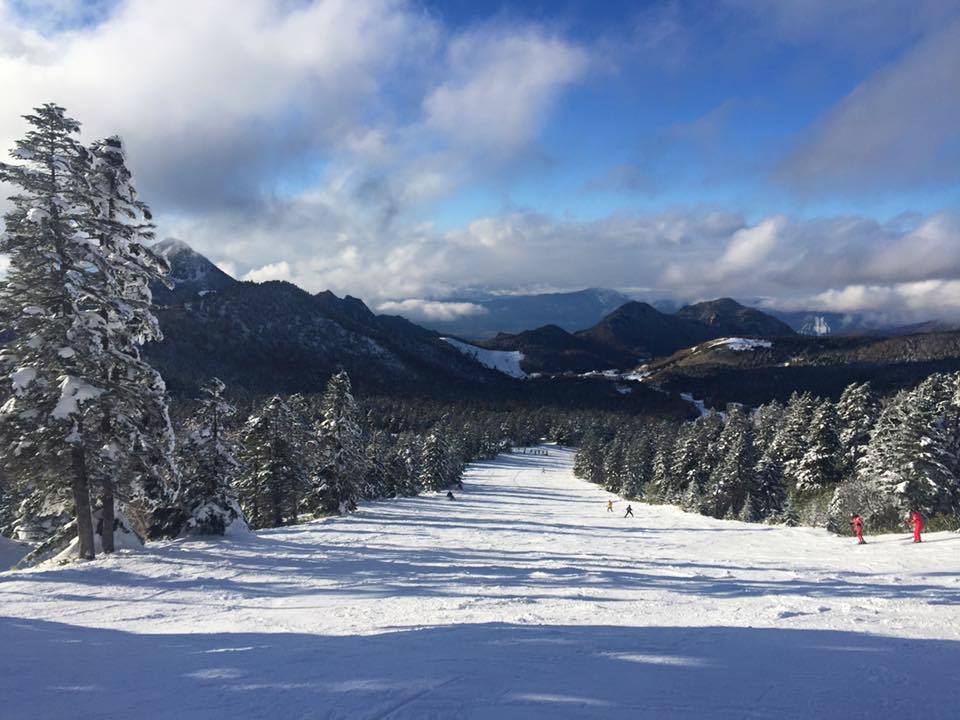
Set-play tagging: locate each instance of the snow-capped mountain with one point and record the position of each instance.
(190, 272)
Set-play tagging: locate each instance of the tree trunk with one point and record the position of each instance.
(81, 499)
(108, 515)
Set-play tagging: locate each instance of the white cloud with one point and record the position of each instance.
(419, 309)
(502, 86)
(896, 129)
(273, 271)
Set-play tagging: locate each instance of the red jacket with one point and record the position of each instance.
(857, 523)
(916, 519)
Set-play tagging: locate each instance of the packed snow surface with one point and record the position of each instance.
(506, 361)
(523, 598)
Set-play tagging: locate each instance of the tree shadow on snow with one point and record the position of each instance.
(53, 670)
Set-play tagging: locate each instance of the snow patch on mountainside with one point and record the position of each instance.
(505, 361)
(739, 344)
(815, 325)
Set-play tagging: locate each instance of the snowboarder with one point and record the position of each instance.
(916, 519)
(609, 505)
(857, 523)
(629, 512)
(450, 495)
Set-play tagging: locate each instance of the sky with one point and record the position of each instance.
(800, 154)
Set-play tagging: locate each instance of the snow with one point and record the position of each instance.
(523, 598)
(22, 378)
(505, 361)
(739, 344)
(698, 404)
(73, 392)
(11, 552)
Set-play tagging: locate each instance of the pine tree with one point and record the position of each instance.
(857, 411)
(135, 443)
(732, 478)
(436, 468)
(76, 302)
(276, 468)
(209, 465)
(341, 458)
(789, 442)
(588, 464)
(821, 464)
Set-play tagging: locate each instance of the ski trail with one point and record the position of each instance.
(524, 598)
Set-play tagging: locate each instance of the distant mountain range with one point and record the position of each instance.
(633, 333)
(570, 311)
(275, 337)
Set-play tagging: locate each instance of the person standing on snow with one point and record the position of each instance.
(857, 523)
(916, 519)
(629, 512)
(609, 505)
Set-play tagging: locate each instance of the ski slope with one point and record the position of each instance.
(524, 598)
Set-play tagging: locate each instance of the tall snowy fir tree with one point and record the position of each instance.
(133, 450)
(731, 482)
(209, 467)
(76, 302)
(857, 412)
(821, 463)
(275, 455)
(342, 463)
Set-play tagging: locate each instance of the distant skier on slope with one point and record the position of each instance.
(629, 512)
(609, 505)
(450, 495)
(857, 523)
(916, 519)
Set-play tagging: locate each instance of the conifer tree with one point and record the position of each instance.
(821, 464)
(77, 304)
(857, 412)
(209, 467)
(341, 459)
(732, 478)
(276, 468)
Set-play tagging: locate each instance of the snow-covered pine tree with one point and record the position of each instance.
(637, 465)
(276, 467)
(821, 464)
(64, 302)
(769, 492)
(588, 464)
(789, 442)
(209, 467)
(614, 464)
(857, 412)
(434, 470)
(341, 460)
(133, 450)
(732, 478)
(917, 472)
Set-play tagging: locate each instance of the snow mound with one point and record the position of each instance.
(505, 361)
(11, 552)
(739, 344)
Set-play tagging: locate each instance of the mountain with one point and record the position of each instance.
(728, 317)
(756, 371)
(274, 337)
(190, 272)
(517, 313)
(634, 332)
(551, 349)
(641, 331)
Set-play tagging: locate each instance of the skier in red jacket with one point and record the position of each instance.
(857, 523)
(916, 519)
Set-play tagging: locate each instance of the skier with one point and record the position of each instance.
(629, 512)
(450, 495)
(857, 523)
(916, 519)
(609, 505)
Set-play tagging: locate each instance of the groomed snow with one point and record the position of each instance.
(505, 361)
(523, 598)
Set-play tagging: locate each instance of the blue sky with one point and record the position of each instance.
(805, 152)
